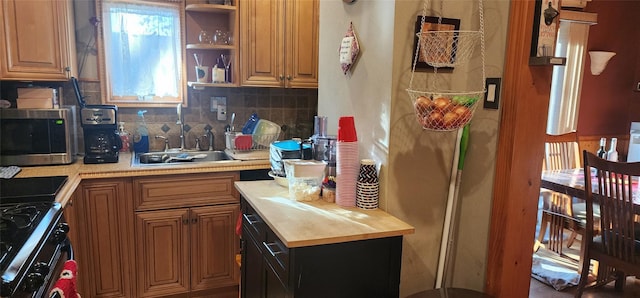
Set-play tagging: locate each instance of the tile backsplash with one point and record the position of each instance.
(292, 109)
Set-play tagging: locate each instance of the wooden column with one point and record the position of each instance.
(518, 161)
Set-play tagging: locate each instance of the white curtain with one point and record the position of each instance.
(142, 48)
(566, 83)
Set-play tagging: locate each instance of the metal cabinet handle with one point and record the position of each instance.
(289, 77)
(281, 77)
(271, 251)
(250, 218)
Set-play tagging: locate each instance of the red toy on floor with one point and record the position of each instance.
(65, 287)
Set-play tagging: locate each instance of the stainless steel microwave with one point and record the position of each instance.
(38, 136)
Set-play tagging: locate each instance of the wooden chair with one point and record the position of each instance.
(559, 211)
(617, 248)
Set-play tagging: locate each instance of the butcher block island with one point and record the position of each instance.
(316, 249)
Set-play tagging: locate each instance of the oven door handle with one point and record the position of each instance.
(68, 248)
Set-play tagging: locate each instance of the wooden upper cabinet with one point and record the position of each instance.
(301, 43)
(279, 43)
(37, 40)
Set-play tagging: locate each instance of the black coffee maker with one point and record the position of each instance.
(102, 143)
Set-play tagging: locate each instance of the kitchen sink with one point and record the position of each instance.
(174, 158)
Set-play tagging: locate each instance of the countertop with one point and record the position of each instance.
(300, 224)
(79, 171)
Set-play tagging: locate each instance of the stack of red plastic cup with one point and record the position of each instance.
(347, 162)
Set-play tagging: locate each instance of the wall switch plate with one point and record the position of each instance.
(492, 93)
(219, 105)
(213, 104)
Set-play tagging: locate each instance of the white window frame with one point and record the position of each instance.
(143, 101)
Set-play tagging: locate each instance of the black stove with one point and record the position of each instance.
(32, 235)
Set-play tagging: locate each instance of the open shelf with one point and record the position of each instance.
(200, 86)
(210, 8)
(205, 46)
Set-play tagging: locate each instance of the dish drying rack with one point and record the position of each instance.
(248, 147)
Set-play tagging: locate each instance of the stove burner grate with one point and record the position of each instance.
(17, 221)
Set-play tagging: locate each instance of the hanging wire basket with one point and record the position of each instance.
(437, 107)
(444, 111)
(448, 48)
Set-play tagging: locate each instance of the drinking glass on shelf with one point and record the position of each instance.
(218, 37)
(228, 38)
(204, 37)
(226, 60)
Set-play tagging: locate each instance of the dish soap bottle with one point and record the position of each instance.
(141, 140)
(124, 137)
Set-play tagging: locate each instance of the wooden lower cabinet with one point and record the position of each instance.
(187, 250)
(101, 218)
(130, 241)
(185, 235)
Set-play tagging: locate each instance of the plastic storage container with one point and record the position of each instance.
(287, 149)
(305, 179)
(264, 132)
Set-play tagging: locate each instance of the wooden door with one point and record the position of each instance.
(37, 40)
(261, 43)
(301, 43)
(162, 252)
(104, 237)
(214, 245)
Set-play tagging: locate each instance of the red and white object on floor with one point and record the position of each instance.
(65, 287)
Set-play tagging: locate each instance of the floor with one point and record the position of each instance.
(538, 289)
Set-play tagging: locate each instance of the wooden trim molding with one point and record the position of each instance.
(519, 160)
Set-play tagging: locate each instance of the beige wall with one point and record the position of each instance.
(415, 164)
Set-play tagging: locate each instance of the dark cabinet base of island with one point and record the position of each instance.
(365, 268)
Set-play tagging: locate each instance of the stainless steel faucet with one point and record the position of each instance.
(181, 123)
(209, 135)
(166, 142)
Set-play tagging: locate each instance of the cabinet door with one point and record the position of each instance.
(37, 40)
(301, 43)
(274, 288)
(104, 251)
(262, 43)
(162, 252)
(71, 215)
(252, 268)
(214, 245)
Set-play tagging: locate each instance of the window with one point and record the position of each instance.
(566, 82)
(142, 52)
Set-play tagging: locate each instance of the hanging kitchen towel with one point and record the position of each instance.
(349, 50)
(65, 287)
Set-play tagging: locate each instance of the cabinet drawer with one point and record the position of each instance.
(277, 256)
(253, 224)
(176, 191)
